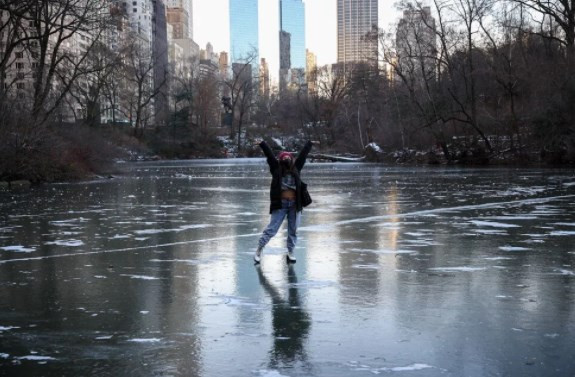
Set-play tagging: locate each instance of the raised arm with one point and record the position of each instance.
(272, 160)
(302, 156)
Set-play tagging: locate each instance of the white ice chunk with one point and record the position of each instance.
(104, 337)
(145, 340)
(410, 367)
(6, 328)
(498, 258)
(67, 243)
(35, 358)
(4, 356)
(513, 248)
(18, 249)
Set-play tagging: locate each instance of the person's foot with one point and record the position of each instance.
(290, 257)
(258, 255)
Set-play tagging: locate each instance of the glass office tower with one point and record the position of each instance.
(292, 20)
(244, 35)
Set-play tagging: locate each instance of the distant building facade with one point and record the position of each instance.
(355, 19)
(416, 44)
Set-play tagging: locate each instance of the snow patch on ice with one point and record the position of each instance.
(552, 336)
(104, 337)
(565, 272)
(564, 224)
(6, 328)
(562, 233)
(384, 251)
(498, 258)
(67, 243)
(187, 261)
(493, 224)
(457, 269)
(142, 277)
(18, 249)
(513, 248)
(36, 358)
(4, 356)
(410, 367)
(491, 231)
(145, 340)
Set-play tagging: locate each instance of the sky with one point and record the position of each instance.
(211, 24)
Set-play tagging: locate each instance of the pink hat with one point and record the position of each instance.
(285, 154)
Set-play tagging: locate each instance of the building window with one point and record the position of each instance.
(135, 10)
(20, 85)
(20, 76)
(19, 55)
(20, 65)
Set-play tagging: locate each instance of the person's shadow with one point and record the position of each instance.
(291, 323)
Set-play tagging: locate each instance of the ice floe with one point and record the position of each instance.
(4, 356)
(104, 337)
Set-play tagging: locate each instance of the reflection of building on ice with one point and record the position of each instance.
(291, 324)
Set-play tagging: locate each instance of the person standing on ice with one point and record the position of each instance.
(285, 196)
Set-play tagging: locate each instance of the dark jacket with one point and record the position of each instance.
(276, 172)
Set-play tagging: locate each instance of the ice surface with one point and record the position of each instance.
(370, 283)
(6, 328)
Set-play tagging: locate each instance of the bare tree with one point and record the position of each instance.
(242, 88)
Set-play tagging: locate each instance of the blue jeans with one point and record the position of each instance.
(288, 209)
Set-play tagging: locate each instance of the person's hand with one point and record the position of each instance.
(257, 142)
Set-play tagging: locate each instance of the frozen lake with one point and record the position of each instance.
(430, 271)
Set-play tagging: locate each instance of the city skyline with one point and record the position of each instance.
(211, 24)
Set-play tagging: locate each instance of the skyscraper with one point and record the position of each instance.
(355, 19)
(292, 20)
(181, 12)
(244, 36)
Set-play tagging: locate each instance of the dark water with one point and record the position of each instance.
(401, 271)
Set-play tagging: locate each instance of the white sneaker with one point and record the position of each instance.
(290, 257)
(258, 255)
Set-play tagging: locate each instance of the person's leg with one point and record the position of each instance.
(293, 223)
(277, 217)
